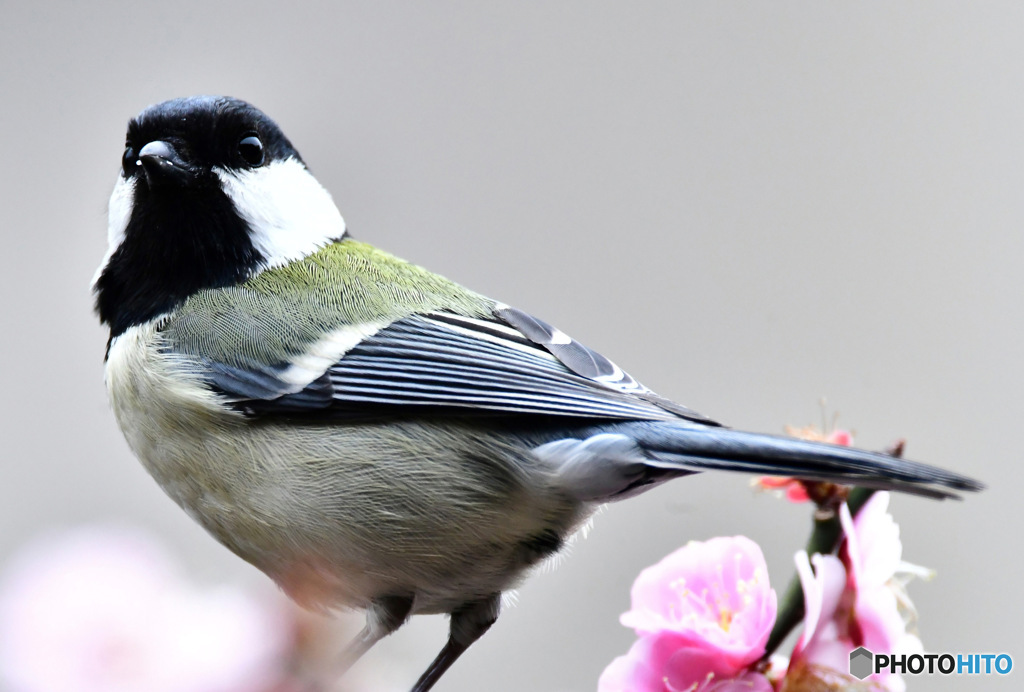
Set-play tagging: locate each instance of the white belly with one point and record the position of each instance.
(338, 514)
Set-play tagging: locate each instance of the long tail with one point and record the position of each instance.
(646, 453)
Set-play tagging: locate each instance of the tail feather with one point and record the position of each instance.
(671, 446)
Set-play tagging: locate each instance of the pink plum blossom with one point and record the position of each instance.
(703, 615)
(104, 610)
(852, 600)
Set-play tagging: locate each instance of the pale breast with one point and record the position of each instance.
(340, 514)
(175, 426)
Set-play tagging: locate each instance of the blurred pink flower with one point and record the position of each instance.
(794, 490)
(703, 615)
(104, 610)
(854, 599)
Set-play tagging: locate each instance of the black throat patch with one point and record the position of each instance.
(177, 242)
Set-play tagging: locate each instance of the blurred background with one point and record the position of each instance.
(748, 206)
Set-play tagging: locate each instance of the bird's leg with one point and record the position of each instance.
(468, 623)
(386, 615)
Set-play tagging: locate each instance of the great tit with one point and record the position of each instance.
(368, 433)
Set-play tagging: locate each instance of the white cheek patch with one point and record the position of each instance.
(290, 215)
(306, 368)
(119, 211)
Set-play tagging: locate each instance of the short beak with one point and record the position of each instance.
(162, 165)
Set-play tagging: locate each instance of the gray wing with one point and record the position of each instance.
(586, 362)
(510, 364)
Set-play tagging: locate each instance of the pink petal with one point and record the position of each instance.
(663, 662)
(713, 594)
(774, 482)
(878, 540)
(823, 590)
(878, 619)
(797, 493)
(689, 667)
(642, 669)
(104, 610)
(840, 437)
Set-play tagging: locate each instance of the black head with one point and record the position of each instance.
(200, 133)
(199, 176)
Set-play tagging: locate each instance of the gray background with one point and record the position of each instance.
(750, 206)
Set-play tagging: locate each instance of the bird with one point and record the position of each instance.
(367, 433)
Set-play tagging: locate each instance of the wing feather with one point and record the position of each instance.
(426, 361)
(511, 364)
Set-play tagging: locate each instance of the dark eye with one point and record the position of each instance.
(128, 161)
(251, 150)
